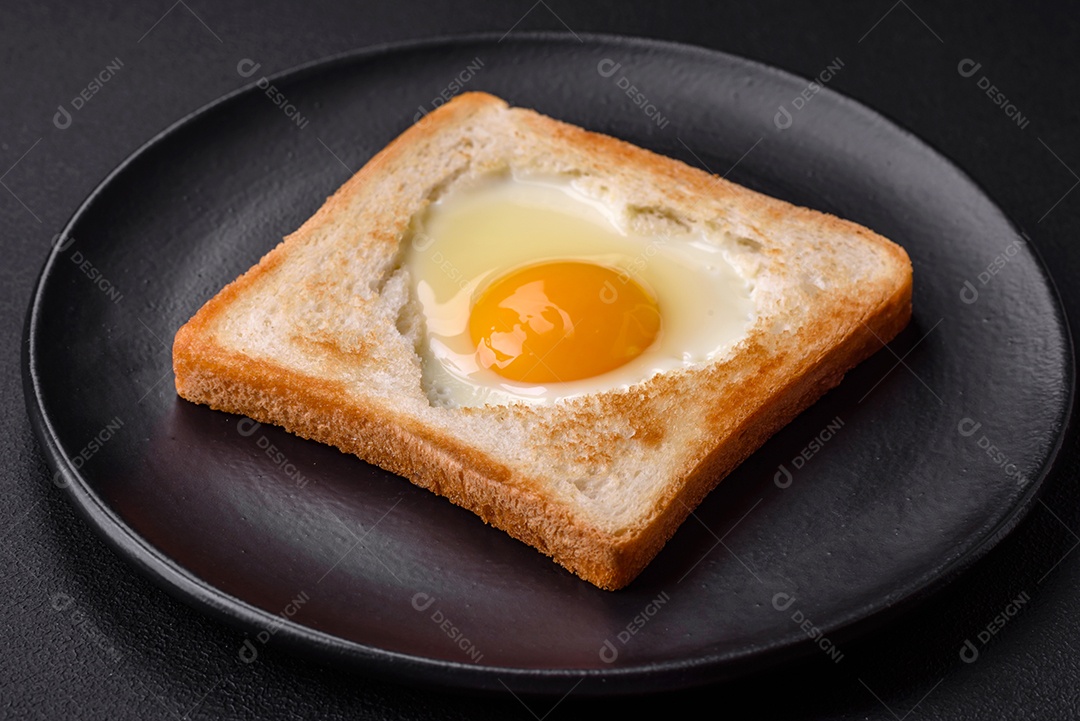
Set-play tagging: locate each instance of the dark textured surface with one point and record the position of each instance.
(121, 648)
(256, 515)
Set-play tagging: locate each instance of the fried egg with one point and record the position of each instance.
(532, 290)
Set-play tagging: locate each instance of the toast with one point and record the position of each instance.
(315, 338)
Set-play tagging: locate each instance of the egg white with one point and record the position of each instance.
(474, 235)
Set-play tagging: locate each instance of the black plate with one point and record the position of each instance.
(915, 466)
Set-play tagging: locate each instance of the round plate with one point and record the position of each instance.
(886, 488)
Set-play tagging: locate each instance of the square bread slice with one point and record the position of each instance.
(312, 339)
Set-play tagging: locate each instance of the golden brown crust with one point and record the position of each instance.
(783, 385)
(790, 396)
(322, 411)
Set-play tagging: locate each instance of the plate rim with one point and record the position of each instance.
(185, 586)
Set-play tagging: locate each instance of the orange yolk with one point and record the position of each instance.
(562, 321)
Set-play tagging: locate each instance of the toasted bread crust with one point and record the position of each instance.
(784, 382)
(321, 411)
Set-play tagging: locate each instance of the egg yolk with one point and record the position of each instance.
(562, 321)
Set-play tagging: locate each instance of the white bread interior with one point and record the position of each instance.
(320, 337)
